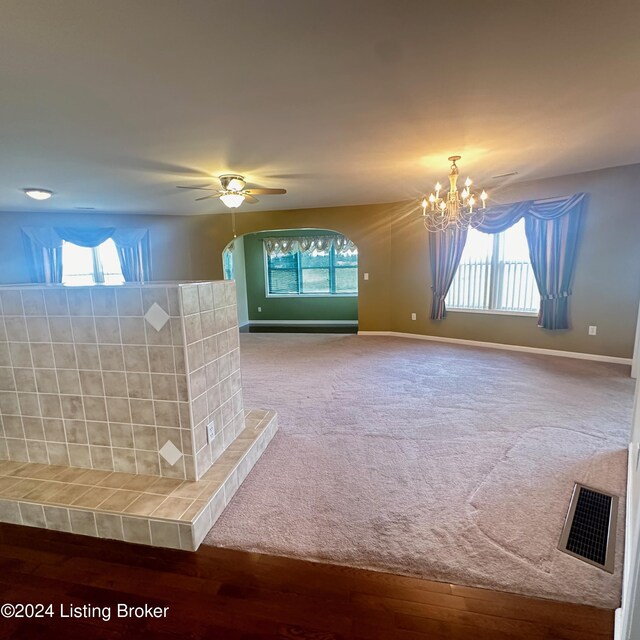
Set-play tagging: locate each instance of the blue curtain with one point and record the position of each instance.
(133, 251)
(445, 251)
(552, 227)
(552, 248)
(43, 247)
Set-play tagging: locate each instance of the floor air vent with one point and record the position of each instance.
(589, 531)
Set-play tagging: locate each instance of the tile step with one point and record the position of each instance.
(162, 512)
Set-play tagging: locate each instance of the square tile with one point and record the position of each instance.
(83, 522)
(10, 512)
(56, 302)
(24, 380)
(79, 301)
(33, 302)
(38, 329)
(11, 303)
(132, 331)
(94, 408)
(170, 452)
(57, 518)
(190, 299)
(156, 316)
(87, 356)
(165, 534)
(136, 530)
(32, 515)
(46, 381)
(16, 328)
(129, 300)
(104, 301)
(111, 357)
(109, 526)
(108, 330)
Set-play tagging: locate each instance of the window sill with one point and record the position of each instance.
(495, 312)
(311, 295)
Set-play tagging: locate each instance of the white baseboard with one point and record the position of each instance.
(500, 345)
(617, 628)
(284, 323)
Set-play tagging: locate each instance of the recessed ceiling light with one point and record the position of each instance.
(38, 194)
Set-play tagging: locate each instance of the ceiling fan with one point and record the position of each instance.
(233, 192)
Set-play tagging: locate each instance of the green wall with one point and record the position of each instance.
(298, 308)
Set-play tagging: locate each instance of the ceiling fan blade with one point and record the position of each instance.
(264, 192)
(203, 188)
(248, 198)
(213, 195)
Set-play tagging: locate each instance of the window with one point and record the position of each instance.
(495, 273)
(86, 265)
(227, 264)
(313, 273)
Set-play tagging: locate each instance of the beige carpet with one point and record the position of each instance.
(440, 461)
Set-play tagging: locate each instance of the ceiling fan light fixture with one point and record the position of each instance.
(232, 200)
(38, 194)
(236, 184)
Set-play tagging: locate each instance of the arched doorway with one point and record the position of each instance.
(303, 280)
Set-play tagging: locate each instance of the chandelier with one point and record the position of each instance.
(453, 209)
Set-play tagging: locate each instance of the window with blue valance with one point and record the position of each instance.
(45, 255)
(552, 228)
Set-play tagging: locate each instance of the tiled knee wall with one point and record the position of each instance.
(213, 366)
(96, 377)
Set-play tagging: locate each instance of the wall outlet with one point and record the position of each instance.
(593, 330)
(366, 276)
(414, 316)
(259, 309)
(211, 432)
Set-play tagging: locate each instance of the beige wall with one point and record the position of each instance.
(393, 249)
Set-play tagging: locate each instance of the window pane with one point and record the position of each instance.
(511, 287)
(471, 285)
(283, 274)
(314, 259)
(77, 264)
(283, 281)
(227, 264)
(516, 283)
(350, 260)
(347, 280)
(111, 270)
(315, 281)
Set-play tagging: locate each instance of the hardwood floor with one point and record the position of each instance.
(235, 595)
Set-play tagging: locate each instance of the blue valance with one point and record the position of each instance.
(500, 217)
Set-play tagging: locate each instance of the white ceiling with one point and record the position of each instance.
(112, 103)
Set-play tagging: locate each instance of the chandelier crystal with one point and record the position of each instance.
(453, 209)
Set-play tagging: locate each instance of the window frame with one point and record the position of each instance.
(332, 278)
(495, 288)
